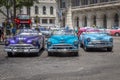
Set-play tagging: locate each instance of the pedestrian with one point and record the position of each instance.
(8, 29)
(2, 34)
(14, 31)
(76, 30)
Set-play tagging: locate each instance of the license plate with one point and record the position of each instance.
(18, 50)
(64, 49)
(26, 50)
(99, 45)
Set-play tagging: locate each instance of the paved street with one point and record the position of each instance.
(93, 65)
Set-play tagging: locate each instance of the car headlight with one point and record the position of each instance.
(111, 39)
(76, 43)
(34, 43)
(48, 43)
(7, 43)
(88, 39)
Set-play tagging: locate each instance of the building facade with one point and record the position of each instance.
(2, 17)
(43, 13)
(81, 13)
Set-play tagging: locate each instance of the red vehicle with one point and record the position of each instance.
(23, 20)
(115, 32)
(83, 29)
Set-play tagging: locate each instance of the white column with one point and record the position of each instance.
(80, 21)
(109, 20)
(119, 20)
(24, 10)
(69, 15)
(99, 20)
(89, 19)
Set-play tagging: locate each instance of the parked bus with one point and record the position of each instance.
(23, 21)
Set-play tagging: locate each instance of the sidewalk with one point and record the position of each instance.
(2, 43)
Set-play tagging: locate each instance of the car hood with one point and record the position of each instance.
(24, 39)
(98, 36)
(63, 39)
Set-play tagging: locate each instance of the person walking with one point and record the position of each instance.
(14, 31)
(8, 30)
(2, 34)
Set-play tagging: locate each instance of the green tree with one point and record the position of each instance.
(1, 5)
(8, 5)
(15, 4)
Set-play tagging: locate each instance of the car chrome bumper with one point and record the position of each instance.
(99, 46)
(63, 50)
(22, 50)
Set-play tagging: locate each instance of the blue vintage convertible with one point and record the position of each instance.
(96, 40)
(26, 41)
(63, 41)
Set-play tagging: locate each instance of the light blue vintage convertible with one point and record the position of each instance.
(96, 40)
(63, 41)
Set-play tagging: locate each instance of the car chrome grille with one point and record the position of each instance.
(20, 45)
(21, 42)
(62, 46)
(97, 42)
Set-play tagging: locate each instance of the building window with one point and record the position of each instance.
(36, 10)
(51, 21)
(44, 21)
(84, 2)
(94, 20)
(116, 20)
(103, 0)
(62, 4)
(93, 1)
(51, 10)
(77, 21)
(85, 21)
(75, 2)
(64, 22)
(28, 10)
(44, 10)
(105, 21)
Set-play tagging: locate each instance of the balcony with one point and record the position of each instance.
(96, 6)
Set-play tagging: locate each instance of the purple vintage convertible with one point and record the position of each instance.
(26, 41)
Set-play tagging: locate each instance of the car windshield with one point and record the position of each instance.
(96, 32)
(64, 32)
(28, 33)
(23, 16)
(43, 29)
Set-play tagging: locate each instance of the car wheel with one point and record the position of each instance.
(109, 49)
(81, 45)
(50, 54)
(117, 34)
(43, 45)
(37, 54)
(86, 49)
(10, 54)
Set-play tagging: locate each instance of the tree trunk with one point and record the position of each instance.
(7, 13)
(14, 8)
(3, 13)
